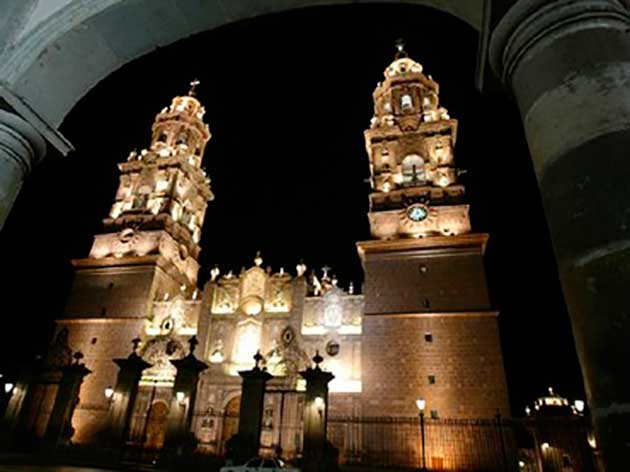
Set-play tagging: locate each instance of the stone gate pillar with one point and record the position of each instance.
(14, 411)
(567, 62)
(251, 409)
(21, 147)
(315, 416)
(59, 429)
(124, 397)
(183, 401)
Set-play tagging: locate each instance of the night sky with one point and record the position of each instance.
(288, 97)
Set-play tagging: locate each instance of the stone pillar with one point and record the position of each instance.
(13, 413)
(21, 147)
(567, 62)
(251, 409)
(183, 401)
(315, 416)
(59, 429)
(124, 397)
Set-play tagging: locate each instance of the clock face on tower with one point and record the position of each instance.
(417, 213)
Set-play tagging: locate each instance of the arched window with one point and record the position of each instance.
(413, 169)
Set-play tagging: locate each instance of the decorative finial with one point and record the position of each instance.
(351, 288)
(325, 270)
(192, 342)
(193, 86)
(214, 273)
(317, 359)
(400, 48)
(300, 268)
(258, 260)
(258, 358)
(78, 356)
(136, 344)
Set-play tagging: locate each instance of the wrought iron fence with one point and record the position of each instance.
(450, 444)
(496, 444)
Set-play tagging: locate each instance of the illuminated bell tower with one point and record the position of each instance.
(148, 251)
(429, 329)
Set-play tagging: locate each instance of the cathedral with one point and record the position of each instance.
(422, 326)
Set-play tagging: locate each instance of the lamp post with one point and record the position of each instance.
(421, 404)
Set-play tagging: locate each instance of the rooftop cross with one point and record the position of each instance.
(400, 48)
(193, 86)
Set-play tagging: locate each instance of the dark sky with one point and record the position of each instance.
(288, 97)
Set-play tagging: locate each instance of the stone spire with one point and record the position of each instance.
(410, 145)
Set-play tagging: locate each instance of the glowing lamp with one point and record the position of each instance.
(180, 397)
(544, 446)
(421, 404)
(319, 403)
(252, 306)
(8, 387)
(579, 405)
(109, 393)
(521, 464)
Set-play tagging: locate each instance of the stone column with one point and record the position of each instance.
(124, 397)
(567, 62)
(13, 413)
(315, 416)
(251, 409)
(21, 147)
(183, 401)
(59, 429)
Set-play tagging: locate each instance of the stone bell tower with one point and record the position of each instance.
(148, 251)
(429, 329)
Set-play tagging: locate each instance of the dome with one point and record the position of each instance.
(403, 66)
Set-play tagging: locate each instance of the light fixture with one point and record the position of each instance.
(521, 464)
(544, 446)
(8, 387)
(109, 392)
(579, 405)
(421, 404)
(319, 403)
(528, 410)
(180, 397)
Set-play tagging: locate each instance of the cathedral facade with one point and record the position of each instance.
(422, 327)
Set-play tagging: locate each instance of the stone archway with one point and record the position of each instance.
(51, 40)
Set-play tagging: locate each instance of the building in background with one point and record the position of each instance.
(423, 327)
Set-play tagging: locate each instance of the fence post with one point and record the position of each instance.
(502, 441)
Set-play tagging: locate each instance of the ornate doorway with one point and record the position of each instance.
(156, 426)
(230, 420)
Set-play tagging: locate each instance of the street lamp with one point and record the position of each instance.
(181, 397)
(319, 404)
(579, 405)
(8, 387)
(421, 404)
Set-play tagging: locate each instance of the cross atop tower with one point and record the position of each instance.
(400, 48)
(193, 86)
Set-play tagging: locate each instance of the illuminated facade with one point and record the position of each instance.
(422, 327)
